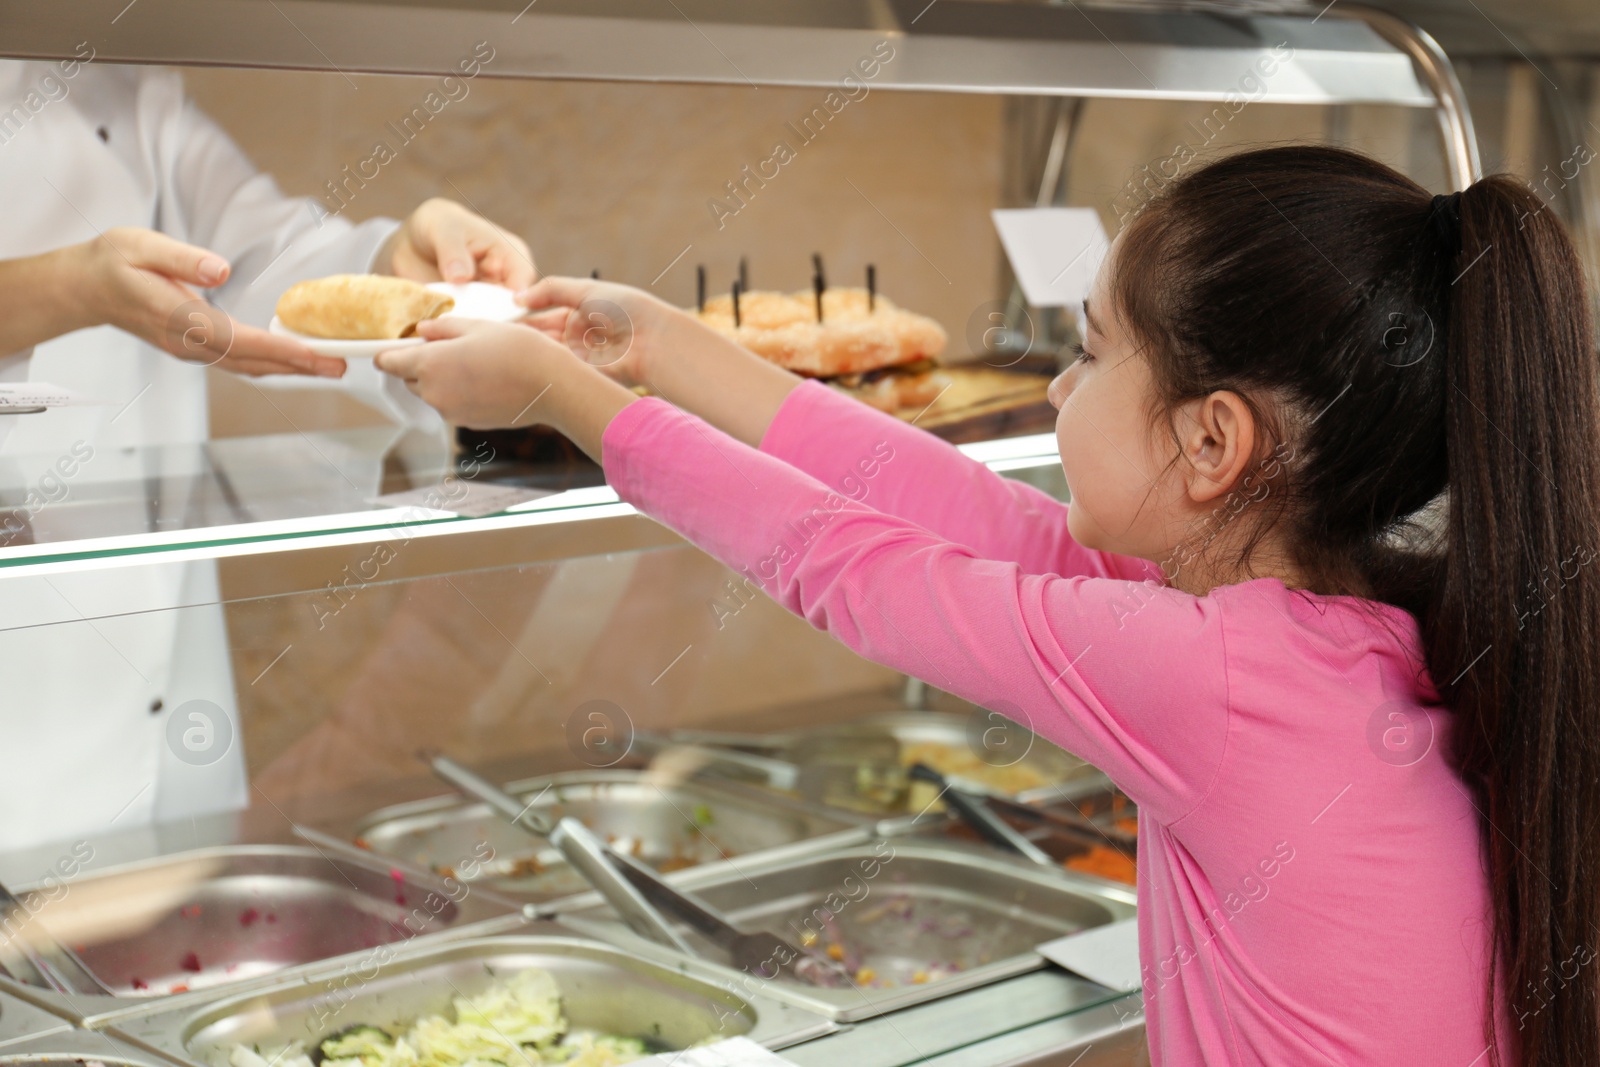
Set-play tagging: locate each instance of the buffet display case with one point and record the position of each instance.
(378, 591)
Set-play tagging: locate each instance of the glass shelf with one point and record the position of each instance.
(242, 496)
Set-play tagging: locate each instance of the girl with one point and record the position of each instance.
(1320, 604)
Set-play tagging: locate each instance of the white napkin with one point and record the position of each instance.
(1054, 251)
(1107, 955)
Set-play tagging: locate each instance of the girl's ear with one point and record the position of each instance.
(1219, 443)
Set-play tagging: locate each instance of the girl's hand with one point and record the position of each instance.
(636, 339)
(492, 375)
(482, 375)
(615, 328)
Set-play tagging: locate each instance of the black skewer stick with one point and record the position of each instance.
(744, 274)
(736, 288)
(872, 287)
(700, 289)
(819, 280)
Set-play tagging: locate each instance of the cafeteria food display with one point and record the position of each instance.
(841, 332)
(983, 751)
(666, 825)
(868, 347)
(959, 761)
(899, 921)
(517, 1022)
(861, 343)
(359, 307)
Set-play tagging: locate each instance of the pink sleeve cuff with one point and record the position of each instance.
(620, 437)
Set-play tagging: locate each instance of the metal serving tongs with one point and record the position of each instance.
(586, 853)
(636, 891)
(1067, 821)
(37, 958)
(976, 813)
(760, 953)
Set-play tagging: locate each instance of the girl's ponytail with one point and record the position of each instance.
(1513, 630)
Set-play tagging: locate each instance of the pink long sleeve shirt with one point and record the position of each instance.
(1310, 883)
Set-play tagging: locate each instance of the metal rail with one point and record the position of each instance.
(1439, 76)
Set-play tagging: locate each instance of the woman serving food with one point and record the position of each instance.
(1327, 441)
(140, 246)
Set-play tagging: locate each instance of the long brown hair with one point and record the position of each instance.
(1409, 359)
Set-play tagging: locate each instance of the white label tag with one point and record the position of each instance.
(1106, 954)
(24, 395)
(734, 1052)
(471, 499)
(1054, 251)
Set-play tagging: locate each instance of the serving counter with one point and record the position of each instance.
(376, 591)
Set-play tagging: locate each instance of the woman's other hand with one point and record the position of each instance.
(443, 241)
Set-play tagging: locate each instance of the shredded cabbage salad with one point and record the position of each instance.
(515, 1023)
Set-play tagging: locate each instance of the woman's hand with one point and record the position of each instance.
(140, 281)
(443, 241)
(639, 339)
(491, 375)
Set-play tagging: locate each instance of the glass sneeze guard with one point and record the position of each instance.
(240, 496)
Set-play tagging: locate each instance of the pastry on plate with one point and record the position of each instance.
(359, 307)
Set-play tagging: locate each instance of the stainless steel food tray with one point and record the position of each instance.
(1063, 843)
(23, 1021)
(73, 1048)
(603, 988)
(926, 903)
(984, 739)
(668, 825)
(230, 916)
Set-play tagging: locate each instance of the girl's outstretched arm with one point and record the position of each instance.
(864, 454)
(879, 460)
(1071, 658)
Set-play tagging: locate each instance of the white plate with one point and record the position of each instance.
(481, 300)
(474, 300)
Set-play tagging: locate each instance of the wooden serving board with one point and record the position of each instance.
(983, 403)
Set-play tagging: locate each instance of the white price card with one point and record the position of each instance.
(471, 499)
(31, 396)
(734, 1052)
(1054, 251)
(1108, 955)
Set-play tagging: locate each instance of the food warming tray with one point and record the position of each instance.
(980, 749)
(22, 1021)
(213, 917)
(668, 825)
(1095, 851)
(602, 987)
(932, 918)
(76, 1048)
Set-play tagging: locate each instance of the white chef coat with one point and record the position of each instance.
(85, 705)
